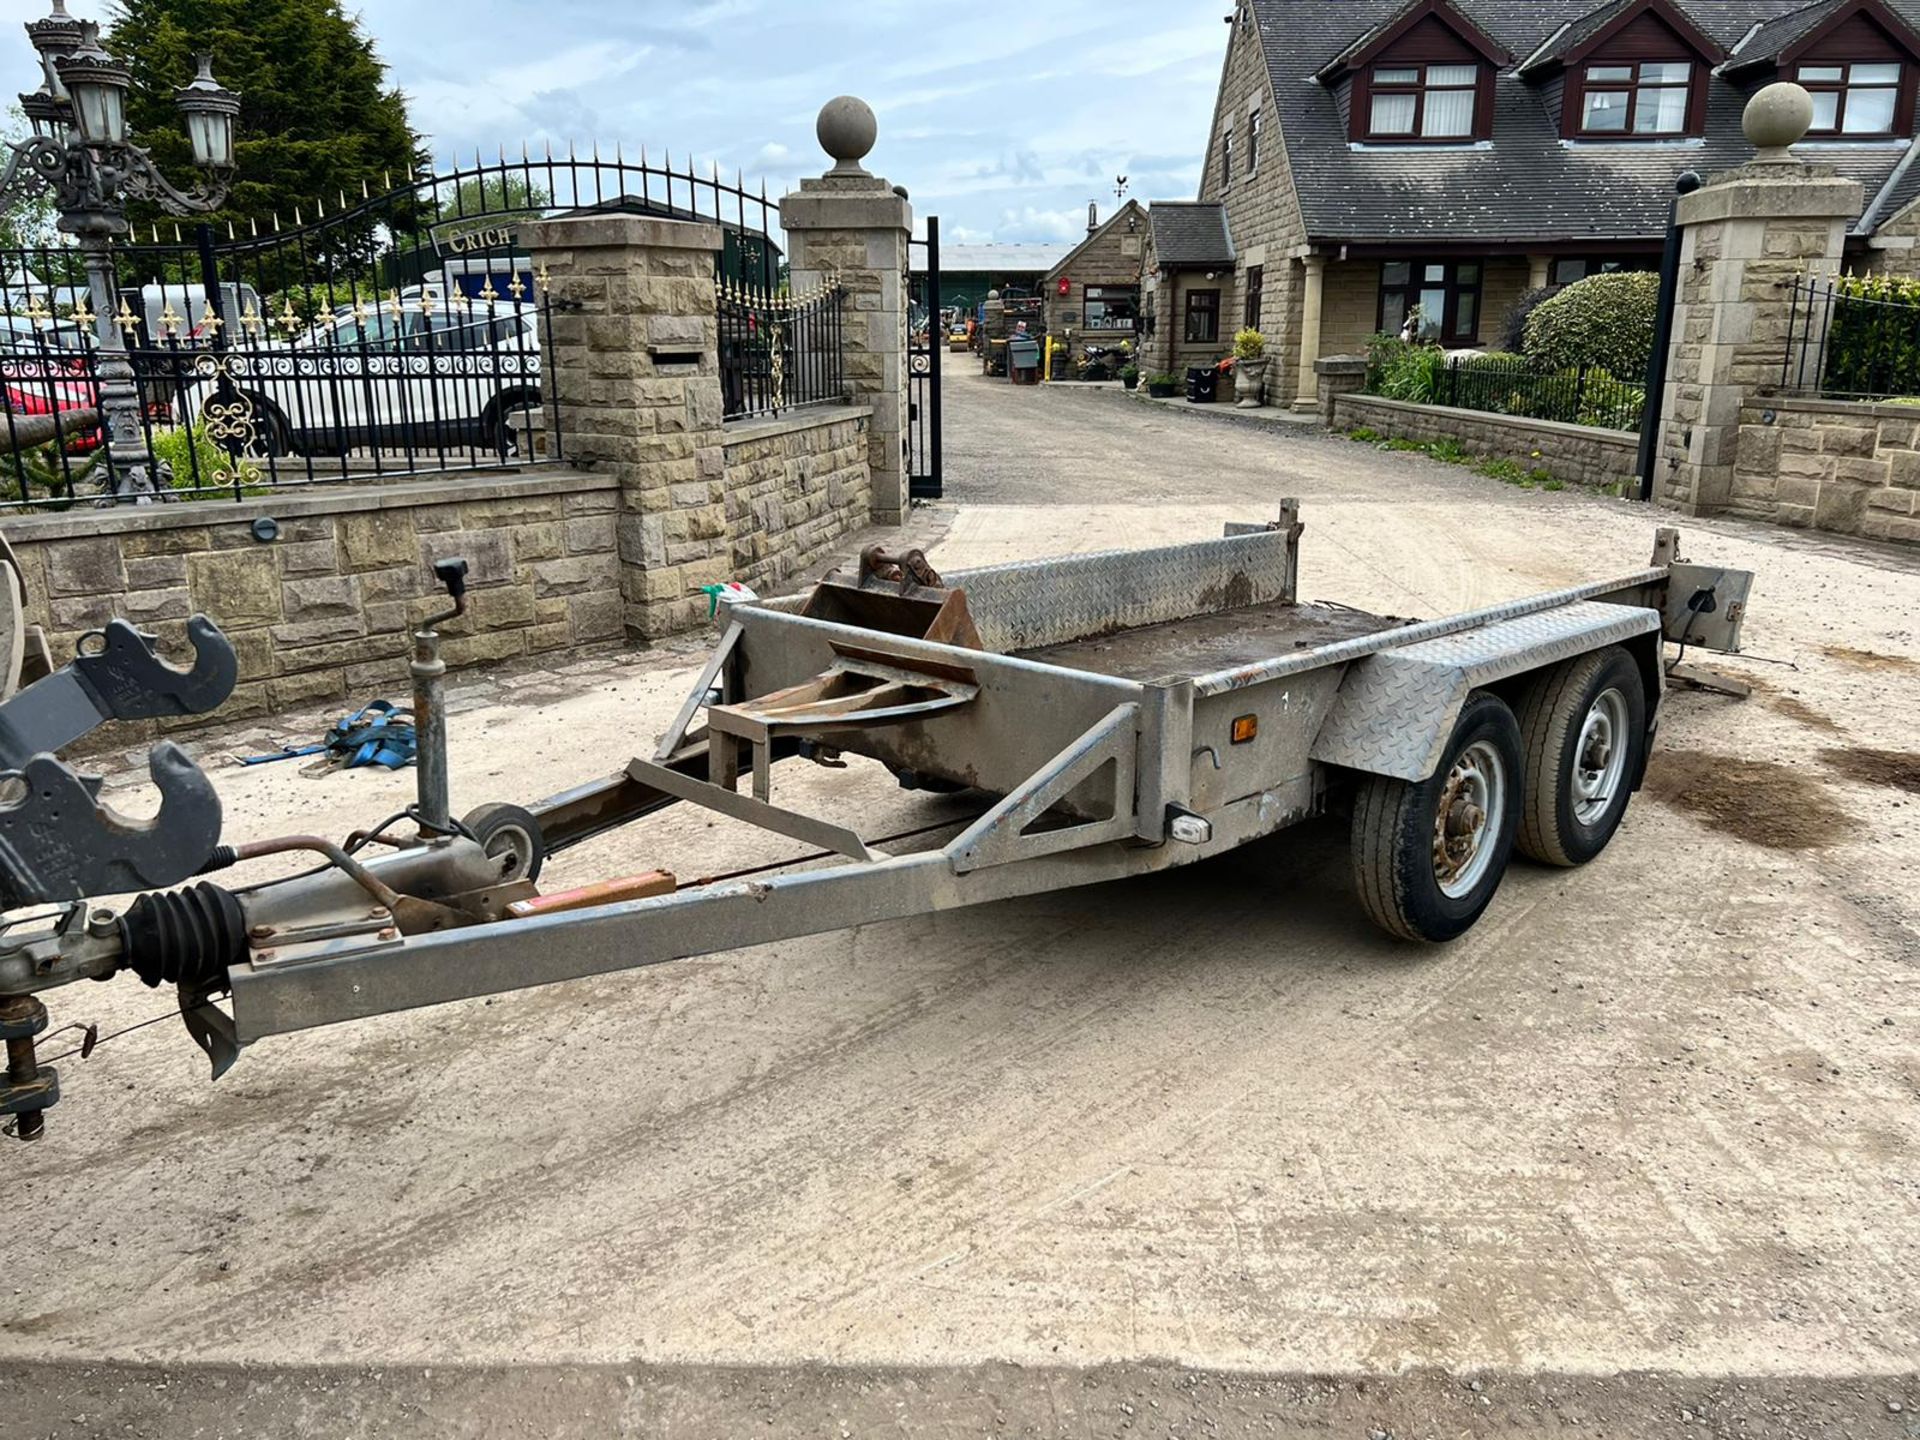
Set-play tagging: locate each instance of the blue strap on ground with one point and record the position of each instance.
(378, 733)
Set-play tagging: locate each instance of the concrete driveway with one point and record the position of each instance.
(1658, 1115)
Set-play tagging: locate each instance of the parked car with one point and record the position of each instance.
(405, 375)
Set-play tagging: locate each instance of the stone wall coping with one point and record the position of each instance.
(1340, 365)
(1854, 409)
(331, 500)
(1625, 439)
(590, 232)
(1770, 194)
(739, 432)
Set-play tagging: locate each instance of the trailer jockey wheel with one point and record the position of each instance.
(1428, 855)
(1585, 727)
(511, 836)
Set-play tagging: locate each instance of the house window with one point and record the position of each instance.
(1203, 317)
(1112, 307)
(1422, 102)
(1226, 158)
(1256, 281)
(1650, 98)
(1445, 294)
(1852, 99)
(1569, 268)
(1253, 142)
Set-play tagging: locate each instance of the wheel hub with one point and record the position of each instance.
(1463, 835)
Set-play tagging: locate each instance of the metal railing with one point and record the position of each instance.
(1502, 385)
(1853, 338)
(396, 333)
(779, 351)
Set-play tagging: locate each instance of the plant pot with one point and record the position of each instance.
(1162, 391)
(1130, 381)
(1248, 377)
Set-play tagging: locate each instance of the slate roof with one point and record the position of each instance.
(1527, 185)
(1575, 33)
(1190, 232)
(1775, 35)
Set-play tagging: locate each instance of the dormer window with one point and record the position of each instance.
(1650, 98)
(1421, 77)
(1852, 99)
(1423, 102)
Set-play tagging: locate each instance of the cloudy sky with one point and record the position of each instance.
(1004, 117)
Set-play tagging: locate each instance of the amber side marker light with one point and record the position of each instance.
(1245, 727)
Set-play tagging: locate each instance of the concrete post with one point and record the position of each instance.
(1746, 235)
(631, 364)
(1537, 271)
(854, 226)
(1306, 389)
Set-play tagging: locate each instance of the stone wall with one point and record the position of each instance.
(323, 612)
(1263, 209)
(795, 486)
(1830, 465)
(1576, 454)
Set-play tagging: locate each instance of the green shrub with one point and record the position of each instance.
(1873, 346)
(1901, 400)
(183, 448)
(1397, 370)
(1249, 344)
(1603, 320)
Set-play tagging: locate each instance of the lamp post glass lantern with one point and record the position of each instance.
(81, 155)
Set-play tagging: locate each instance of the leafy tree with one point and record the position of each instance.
(318, 118)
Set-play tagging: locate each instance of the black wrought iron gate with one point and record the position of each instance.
(926, 339)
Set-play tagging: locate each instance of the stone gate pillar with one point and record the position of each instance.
(631, 365)
(1746, 235)
(853, 225)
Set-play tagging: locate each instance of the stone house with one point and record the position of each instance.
(1372, 158)
(1093, 291)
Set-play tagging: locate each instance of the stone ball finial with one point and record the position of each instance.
(847, 130)
(1778, 116)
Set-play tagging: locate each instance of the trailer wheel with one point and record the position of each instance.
(510, 835)
(1428, 854)
(1585, 727)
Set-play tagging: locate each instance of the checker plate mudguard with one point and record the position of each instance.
(1395, 709)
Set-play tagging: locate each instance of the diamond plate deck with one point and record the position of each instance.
(1036, 603)
(1396, 709)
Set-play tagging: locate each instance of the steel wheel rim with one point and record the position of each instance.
(1600, 757)
(1466, 826)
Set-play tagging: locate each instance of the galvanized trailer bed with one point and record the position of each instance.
(1113, 714)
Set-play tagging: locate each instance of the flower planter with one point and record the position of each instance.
(1130, 381)
(1162, 391)
(1248, 378)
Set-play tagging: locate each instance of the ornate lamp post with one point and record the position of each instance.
(80, 152)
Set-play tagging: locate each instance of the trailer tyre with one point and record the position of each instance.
(1428, 855)
(1585, 727)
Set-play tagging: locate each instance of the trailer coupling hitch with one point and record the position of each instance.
(57, 840)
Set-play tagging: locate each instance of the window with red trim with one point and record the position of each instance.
(1852, 98)
(1422, 102)
(1636, 100)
